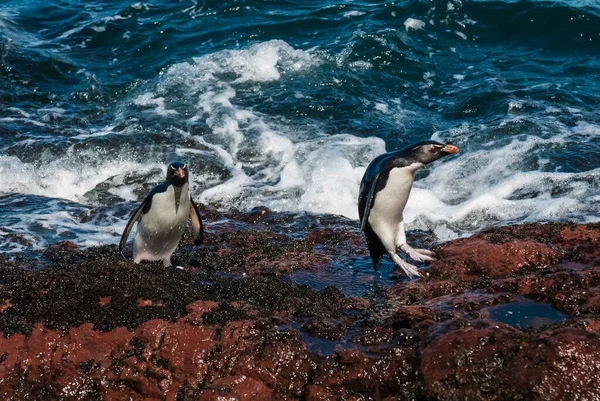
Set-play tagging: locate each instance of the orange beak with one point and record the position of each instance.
(450, 149)
(180, 172)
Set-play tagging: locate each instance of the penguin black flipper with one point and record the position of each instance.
(142, 209)
(368, 203)
(134, 217)
(197, 226)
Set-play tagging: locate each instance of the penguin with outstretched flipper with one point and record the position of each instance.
(162, 218)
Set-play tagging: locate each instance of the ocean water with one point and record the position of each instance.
(283, 103)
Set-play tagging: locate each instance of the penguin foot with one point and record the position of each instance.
(425, 252)
(416, 255)
(409, 270)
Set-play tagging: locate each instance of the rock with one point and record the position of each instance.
(4, 305)
(235, 324)
(242, 388)
(477, 256)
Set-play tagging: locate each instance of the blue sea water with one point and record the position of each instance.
(283, 103)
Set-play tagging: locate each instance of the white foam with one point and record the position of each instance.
(354, 13)
(515, 106)
(333, 174)
(42, 222)
(361, 65)
(413, 23)
(261, 62)
(383, 107)
(69, 177)
(290, 169)
(283, 168)
(147, 99)
(296, 166)
(476, 190)
(23, 120)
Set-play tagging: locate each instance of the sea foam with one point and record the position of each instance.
(243, 157)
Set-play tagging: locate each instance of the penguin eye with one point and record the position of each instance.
(434, 149)
(172, 168)
(184, 166)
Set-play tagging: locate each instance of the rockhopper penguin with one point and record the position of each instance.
(163, 216)
(384, 191)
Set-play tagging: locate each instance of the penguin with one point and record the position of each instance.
(383, 194)
(163, 216)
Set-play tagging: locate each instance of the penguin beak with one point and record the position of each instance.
(450, 149)
(180, 173)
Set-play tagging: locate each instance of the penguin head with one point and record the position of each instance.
(428, 151)
(177, 174)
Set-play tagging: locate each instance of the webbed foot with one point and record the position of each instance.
(417, 254)
(409, 270)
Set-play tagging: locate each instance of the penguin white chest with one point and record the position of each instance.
(389, 203)
(161, 228)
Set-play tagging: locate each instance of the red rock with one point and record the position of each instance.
(563, 364)
(5, 305)
(242, 388)
(461, 364)
(350, 373)
(592, 305)
(328, 235)
(322, 393)
(145, 302)
(419, 339)
(201, 307)
(476, 256)
(64, 245)
(591, 325)
(187, 349)
(580, 233)
(239, 336)
(354, 303)
(409, 315)
(281, 361)
(255, 215)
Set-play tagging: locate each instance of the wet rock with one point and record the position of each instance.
(327, 328)
(18, 238)
(255, 215)
(561, 364)
(354, 303)
(4, 305)
(478, 256)
(473, 360)
(239, 387)
(409, 315)
(235, 325)
(350, 374)
(592, 305)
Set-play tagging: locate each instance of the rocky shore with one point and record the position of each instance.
(285, 306)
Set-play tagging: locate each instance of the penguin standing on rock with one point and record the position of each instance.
(163, 216)
(384, 191)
